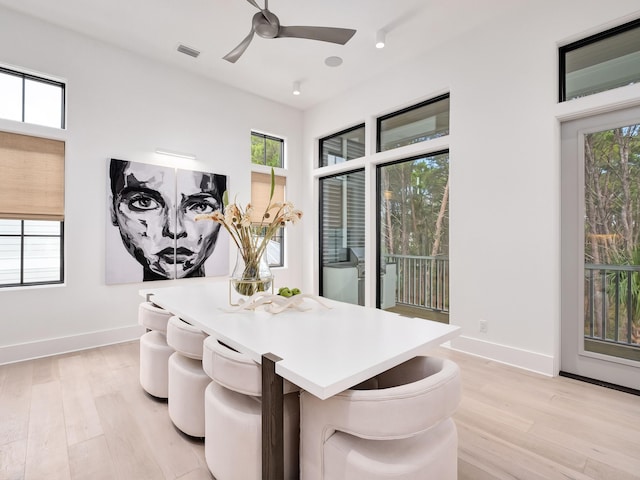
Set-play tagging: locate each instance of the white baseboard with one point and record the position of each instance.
(535, 362)
(56, 346)
(527, 360)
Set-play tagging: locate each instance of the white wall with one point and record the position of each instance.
(504, 170)
(123, 106)
(504, 146)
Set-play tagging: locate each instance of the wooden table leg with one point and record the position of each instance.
(272, 420)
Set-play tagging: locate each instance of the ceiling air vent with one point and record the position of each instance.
(192, 52)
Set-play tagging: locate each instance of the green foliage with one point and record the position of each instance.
(622, 280)
(611, 224)
(612, 194)
(413, 193)
(266, 150)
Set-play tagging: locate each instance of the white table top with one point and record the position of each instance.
(324, 351)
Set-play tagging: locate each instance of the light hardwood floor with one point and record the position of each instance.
(84, 416)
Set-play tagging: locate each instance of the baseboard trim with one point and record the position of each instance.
(525, 359)
(74, 343)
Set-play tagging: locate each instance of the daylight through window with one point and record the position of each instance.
(30, 99)
(267, 150)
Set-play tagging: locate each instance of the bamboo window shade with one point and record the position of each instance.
(260, 190)
(31, 177)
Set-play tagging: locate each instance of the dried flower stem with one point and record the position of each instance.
(252, 238)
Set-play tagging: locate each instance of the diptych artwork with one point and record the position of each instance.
(151, 229)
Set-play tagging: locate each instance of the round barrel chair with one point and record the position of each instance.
(233, 414)
(396, 425)
(187, 379)
(154, 350)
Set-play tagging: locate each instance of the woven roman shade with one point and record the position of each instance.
(260, 189)
(31, 177)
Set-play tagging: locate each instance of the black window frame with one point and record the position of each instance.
(379, 120)
(264, 138)
(333, 135)
(563, 50)
(321, 226)
(378, 193)
(27, 76)
(24, 76)
(22, 237)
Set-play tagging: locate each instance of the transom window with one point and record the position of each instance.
(31, 99)
(342, 146)
(418, 123)
(267, 150)
(604, 61)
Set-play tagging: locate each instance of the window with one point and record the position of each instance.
(30, 99)
(267, 150)
(30, 252)
(342, 146)
(413, 243)
(418, 123)
(342, 237)
(31, 210)
(600, 62)
(260, 189)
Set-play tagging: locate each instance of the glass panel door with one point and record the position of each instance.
(342, 237)
(611, 242)
(600, 248)
(413, 206)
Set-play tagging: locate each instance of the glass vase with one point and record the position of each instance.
(250, 276)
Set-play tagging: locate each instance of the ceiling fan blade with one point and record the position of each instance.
(323, 34)
(237, 52)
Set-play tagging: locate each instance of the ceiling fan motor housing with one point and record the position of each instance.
(266, 24)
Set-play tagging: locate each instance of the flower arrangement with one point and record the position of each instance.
(252, 237)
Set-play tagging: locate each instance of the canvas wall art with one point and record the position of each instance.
(151, 229)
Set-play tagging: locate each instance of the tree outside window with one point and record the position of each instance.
(267, 150)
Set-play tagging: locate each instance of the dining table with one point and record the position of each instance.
(321, 345)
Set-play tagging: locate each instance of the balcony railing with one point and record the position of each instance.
(612, 304)
(422, 281)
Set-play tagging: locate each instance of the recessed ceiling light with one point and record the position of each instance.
(333, 61)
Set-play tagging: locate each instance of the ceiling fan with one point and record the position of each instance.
(266, 25)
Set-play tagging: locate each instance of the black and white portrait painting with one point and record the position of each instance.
(151, 229)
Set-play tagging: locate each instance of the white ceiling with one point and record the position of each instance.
(268, 68)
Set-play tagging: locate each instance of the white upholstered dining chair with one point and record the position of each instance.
(154, 350)
(397, 426)
(233, 416)
(187, 379)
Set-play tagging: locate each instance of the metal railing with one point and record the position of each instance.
(422, 281)
(612, 303)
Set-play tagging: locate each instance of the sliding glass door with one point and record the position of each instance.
(342, 237)
(413, 240)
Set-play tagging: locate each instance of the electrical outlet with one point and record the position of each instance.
(483, 326)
